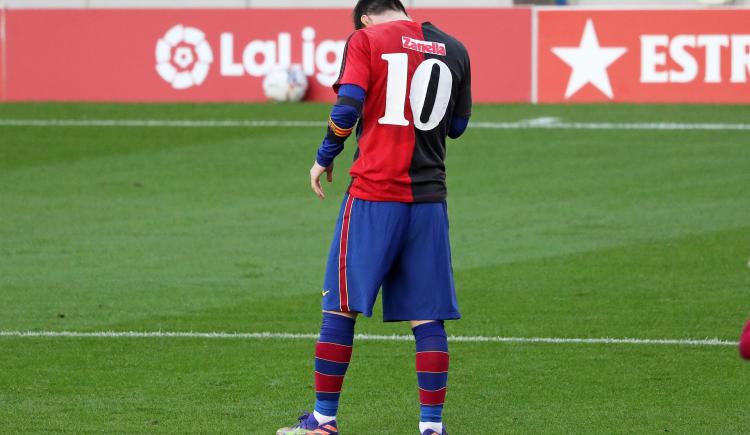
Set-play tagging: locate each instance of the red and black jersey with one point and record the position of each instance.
(417, 79)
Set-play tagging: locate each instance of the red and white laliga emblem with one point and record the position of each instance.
(183, 57)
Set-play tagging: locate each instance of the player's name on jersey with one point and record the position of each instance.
(423, 46)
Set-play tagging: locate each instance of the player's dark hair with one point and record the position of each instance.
(374, 7)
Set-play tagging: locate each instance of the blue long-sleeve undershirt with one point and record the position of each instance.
(458, 127)
(344, 116)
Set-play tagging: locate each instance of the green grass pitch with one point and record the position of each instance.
(556, 233)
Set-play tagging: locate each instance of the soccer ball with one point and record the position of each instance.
(285, 84)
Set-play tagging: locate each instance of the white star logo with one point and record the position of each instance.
(589, 62)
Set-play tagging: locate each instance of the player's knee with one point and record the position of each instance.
(341, 313)
(415, 323)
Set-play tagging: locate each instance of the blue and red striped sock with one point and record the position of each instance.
(332, 355)
(432, 370)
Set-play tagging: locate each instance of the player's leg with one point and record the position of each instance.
(333, 352)
(432, 360)
(362, 250)
(421, 289)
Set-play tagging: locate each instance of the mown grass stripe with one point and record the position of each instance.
(228, 123)
(364, 337)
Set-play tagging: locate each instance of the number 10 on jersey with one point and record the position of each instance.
(395, 99)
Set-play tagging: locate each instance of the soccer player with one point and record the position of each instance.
(408, 85)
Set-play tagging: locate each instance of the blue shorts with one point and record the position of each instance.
(404, 248)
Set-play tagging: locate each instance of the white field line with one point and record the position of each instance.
(525, 125)
(194, 123)
(363, 337)
(217, 123)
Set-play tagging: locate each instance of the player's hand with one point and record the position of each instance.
(315, 173)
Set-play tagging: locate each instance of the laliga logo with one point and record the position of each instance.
(259, 57)
(183, 57)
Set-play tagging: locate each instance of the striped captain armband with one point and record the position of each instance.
(338, 131)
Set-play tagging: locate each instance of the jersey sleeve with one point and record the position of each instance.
(463, 100)
(355, 67)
